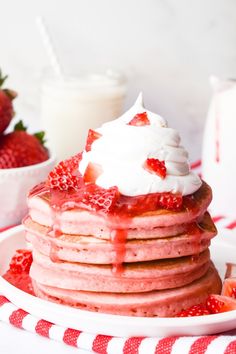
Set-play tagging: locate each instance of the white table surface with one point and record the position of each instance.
(14, 340)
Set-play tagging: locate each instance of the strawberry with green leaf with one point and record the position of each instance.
(6, 107)
(19, 148)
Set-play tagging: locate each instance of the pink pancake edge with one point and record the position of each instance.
(75, 221)
(136, 277)
(162, 303)
(88, 249)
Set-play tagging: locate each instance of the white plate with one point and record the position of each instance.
(223, 250)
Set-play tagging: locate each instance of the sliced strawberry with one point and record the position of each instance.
(92, 172)
(101, 199)
(196, 310)
(65, 175)
(140, 120)
(219, 303)
(92, 136)
(21, 261)
(155, 166)
(229, 287)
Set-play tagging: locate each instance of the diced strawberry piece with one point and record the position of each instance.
(170, 201)
(196, 310)
(92, 136)
(65, 175)
(140, 120)
(92, 172)
(155, 166)
(219, 303)
(101, 199)
(229, 288)
(21, 261)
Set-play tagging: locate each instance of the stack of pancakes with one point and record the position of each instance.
(166, 261)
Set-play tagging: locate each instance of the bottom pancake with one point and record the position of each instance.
(162, 303)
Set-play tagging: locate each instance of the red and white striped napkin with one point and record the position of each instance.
(214, 344)
(224, 343)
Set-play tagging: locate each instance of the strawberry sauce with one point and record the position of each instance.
(21, 281)
(195, 229)
(118, 239)
(53, 255)
(117, 209)
(38, 190)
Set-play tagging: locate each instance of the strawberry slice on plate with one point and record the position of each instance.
(196, 310)
(219, 303)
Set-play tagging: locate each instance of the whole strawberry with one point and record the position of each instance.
(19, 149)
(6, 108)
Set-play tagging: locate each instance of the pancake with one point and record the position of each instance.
(78, 221)
(132, 234)
(162, 303)
(89, 249)
(152, 264)
(136, 277)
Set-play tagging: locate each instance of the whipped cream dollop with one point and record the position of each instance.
(122, 150)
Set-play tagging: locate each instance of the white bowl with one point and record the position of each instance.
(15, 183)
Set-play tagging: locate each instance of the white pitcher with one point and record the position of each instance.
(219, 147)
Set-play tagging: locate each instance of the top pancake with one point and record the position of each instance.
(83, 222)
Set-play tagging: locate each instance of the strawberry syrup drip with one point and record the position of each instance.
(39, 189)
(53, 253)
(55, 231)
(196, 230)
(56, 225)
(124, 210)
(190, 204)
(118, 239)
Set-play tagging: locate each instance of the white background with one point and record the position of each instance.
(167, 48)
